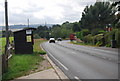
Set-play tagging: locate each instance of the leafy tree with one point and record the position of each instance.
(42, 31)
(97, 16)
(56, 32)
(76, 27)
(61, 31)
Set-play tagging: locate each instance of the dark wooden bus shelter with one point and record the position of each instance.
(23, 41)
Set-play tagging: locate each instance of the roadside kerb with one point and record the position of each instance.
(60, 74)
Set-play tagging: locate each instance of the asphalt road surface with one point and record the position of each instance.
(83, 62)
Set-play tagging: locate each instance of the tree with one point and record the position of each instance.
(97, 16)
(76, 27)
(62, 31)
(42, 31)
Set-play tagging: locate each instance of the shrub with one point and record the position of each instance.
(85, 32)
(42, 52)
(36, 36)
(79, 35)
(82, 33)
(88, 38)
(117, 37)
(97, 31)
(109, 37)
(98, 40)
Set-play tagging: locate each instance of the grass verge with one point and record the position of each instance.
(2, 44)
(84, 44)
(22, 64)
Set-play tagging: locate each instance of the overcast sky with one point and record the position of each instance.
(41, 11)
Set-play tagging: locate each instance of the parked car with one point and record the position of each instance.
(59, 39)
(52, 40)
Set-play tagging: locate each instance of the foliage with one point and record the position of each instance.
(76, 27)
(79, 35)
(99, 40)
(3, 33)
(117, 25)
(117, 37)
(42, 52)
(103, 39)
(97, 31)
(88, 38)
(109, 37)
(36, 36)
(82, 33)
(62, 31)
(42, 31)
(85, 32)
(97, 16)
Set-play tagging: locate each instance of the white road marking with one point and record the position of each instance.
(77, 78)
(73, 52)
(58, 61)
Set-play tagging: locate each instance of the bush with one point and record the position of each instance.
(42, 52)
(99, 40)
(109, 37)
(79, 35)
(36, 36)
(97, 31)
(88, 38)
(82, 33)
(117, 37)
(102, 39)
(99, 43)
(85, 32)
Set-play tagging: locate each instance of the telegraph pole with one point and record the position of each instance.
(7, 37)
(28, 23)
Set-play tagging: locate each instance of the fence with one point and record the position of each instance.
(5, 58)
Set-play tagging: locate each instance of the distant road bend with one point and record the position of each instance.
(83, 62)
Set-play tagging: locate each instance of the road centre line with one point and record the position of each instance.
(73, 52)
(58, 61)
(92, 54)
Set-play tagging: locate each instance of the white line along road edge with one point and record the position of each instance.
(59, 62)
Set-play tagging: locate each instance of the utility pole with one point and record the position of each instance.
(7, 38)
(28, 23)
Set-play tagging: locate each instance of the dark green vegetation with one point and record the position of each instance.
(3, 42)
(92, 28)
(2, 33)
(22, 64)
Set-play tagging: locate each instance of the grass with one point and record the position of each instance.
(84, 44)
(2, 44)
(37, 45)
(22, 64)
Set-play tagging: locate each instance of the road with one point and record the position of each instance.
(83, 62)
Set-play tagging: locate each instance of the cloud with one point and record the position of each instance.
(41, 11)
